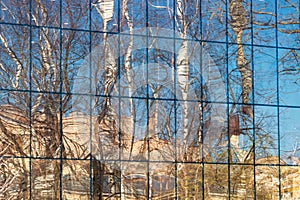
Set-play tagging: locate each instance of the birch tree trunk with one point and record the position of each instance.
(129, 75)
(106, 9)
(182, 68)
(239, 22)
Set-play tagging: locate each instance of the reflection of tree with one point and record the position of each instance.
(241, 125)
(8, 175)
(42, 60)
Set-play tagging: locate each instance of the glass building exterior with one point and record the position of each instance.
(149, 99)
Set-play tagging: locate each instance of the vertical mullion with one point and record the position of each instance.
(147, 98)
(90, 102)
(30, 100)
(60, 100)
(278, 110)
(201, 99)
(122, 192)
(253, 101)
(175, 100)
(227, 98)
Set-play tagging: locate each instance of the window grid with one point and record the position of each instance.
(177, 163)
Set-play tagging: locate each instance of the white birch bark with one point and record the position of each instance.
(15, 59)
(182, 69)
(106, 9)
(127, 66)
(183, 82)
(129, 75)
(238, 23)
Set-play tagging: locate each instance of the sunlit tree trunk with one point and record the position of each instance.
(182, 68)
(239, 22)
(129, 74)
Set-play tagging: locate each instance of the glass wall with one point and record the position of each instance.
(152, 99)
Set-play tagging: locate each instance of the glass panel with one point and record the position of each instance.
(105, 15)
(216, 181)
(133, 69)
(157, 10)
(45, 74)
(135, 16)
(266, 133)
(46, 13)
(188, 134)
(14, 178)
(213, 69)
(45, 122)
(162, 180)
(265, 73)
(135, 179)
(76, 62)
(289, 89)
(264, 32)
(106, 179)
(76, 179)
(14, 123)
(290, 182)
(14, 57)
(45, 179)
(289, 135)
(267, 180)
(75, 14)
(240, 74)
(88, 71)
(190, 181)
(239, 21)
(189, 77)
(161, 67)
(135, 134)
(102, 46)
(215, 133)
(187, 19)
(213, 18)
(288, 23)
(107, 130)
(191, 14)
(15, 11)
(241, 182)
(76, 124)
(161, 128)
(241, 134)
